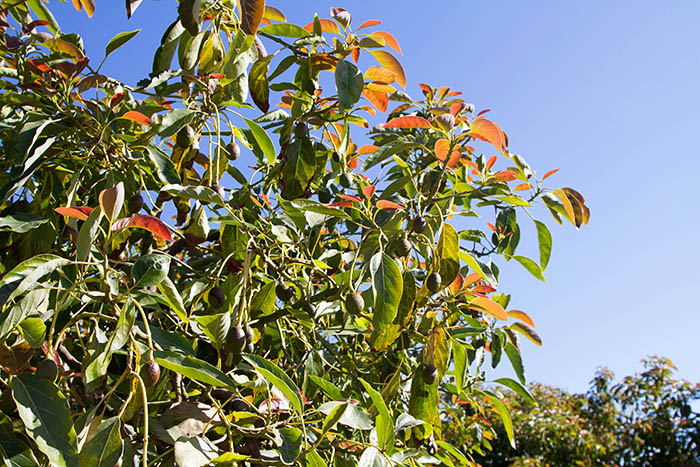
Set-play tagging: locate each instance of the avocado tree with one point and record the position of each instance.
(221, 265)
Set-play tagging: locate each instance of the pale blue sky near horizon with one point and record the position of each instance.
(605, 91)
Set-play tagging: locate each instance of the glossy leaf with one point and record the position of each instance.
(290, 447)
(174, 121)
(103, 447)
(165, 169)
(284, 30)
(131, 6)
(22, 222)
(86, 235)
(193, 368)
(119, 40)
(389, 205)
(349, 83)
(488, 131)
(353, 416)
(448, 253)
(137, 117)
(372, 457)
(46, 417)
(277, 378)
(188, 10)
(387, 287)
(263, 140)
(25, 276)
(144, 221)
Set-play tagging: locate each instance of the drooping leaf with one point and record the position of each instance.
(25, 275)
(196, 451)
(448, 253)
(387, 288)
(131, 6)
(103, 447)
(349, 83)
(389, 39)
(488, 131)
(290, 447)
(531, 266)
(263, 140)
(193, 368)
(252, 12)
(505, 416)
(87, 234)
(44, 411)
(119, 40)
(258, 84)
(165, 169)
(516, 361)
(174, 121)
(21, 222)
(517, 387)
(277, 378)
(490, 307)
(353, 416)
(144, 221)
(188, 10)
(372, 457)
(384, 421)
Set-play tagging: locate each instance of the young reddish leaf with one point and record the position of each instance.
(456, 108)
(456, 284)
(551, 172)
(522, 316)
(255, 201)
(355, 54)
(490, 162)
(379, 100)
(377, 73)
(471, 279)
(442, 91)
(442, 146)
(368, 23)
(137, 117)
(486, 130)
(384, 204)
(453, 93)
(352, 163)
(522, 187)
(154, 225)
(367, 149)
(491, 226)
(408, 122)
(369, 191)
(389, 39)
(390, 62)
(504, 176)
(427, 90)
(483, 112)
(401, 108)
(368, 109)
(350, 198)
(380, 87)
(483, 289)
(340, 204)
(454, 159)
(327, 25)
(116, 99)
(490, 307)
(76, 212)
(111, 200)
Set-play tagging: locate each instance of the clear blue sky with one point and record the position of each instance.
(606, 91)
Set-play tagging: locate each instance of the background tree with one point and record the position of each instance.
(646, 419)
(180, 288)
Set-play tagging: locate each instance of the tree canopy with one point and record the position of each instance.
(240, 260)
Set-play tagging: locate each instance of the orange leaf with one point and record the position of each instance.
(491, 226)
(522, 316)
(486, 130)
(483, 289)
(368, 109)
(490, 162)
(327, 25)
(384, 204)
(340, 204)
(456, 108)
(483, 112)
(355, 54)
(390, 62)
(453, 93)
(368, 23)
(251, 14)
(454, 158)
(442, 91)
(380, 87)
(369, 191)
(154, 225)
(427, 90)
(408, 122)
(389, 39)
(471, 279)
(367, 149)
(379, 100)
(350, 198)
(76, 212)
(490, 307)
(522, 186)
(457, 284)
(137, 117)
(504, 176)
(442, 146)
(274, 14)
(377, 73)
(352, 163)
(551, 172)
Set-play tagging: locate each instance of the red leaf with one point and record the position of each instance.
(483, 112)
(369, 191)
(389, 39)
(504, 176)
(483, 289)
(491, 226)
(408, 122)
(340, 204)
(379, 100)
(457, 284)
(350, 198)
(368, 23)
(490, 162)
(154, 225)
(427, 90)
(367, 149)
(251, 13)
(453, 93)
(327, 25)
(390, 62)
(137, 117)
(384, 204)
(456, 108)
(551, 172)
(352, 163)
(486, 130)
(76, 212)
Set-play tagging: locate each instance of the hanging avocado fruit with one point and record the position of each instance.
(284, 292)
(402, 248)
(235, 340)
(135, 204)
(185, 137)
(47, 369)
(430, 374)
(354, 303)
(419, 224)
(150, 373)
(217, 297)
(233, 151)
(433, 282)
(250, 337)
(345, 180)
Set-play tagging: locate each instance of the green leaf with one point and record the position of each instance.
(454, 451)
(174, 120)
(216, 327)
(119, 40)
(516, 361)
(46, 417)
(298, 168)
(423, 403)
(544, 238)
(21, 222)
(459, 352)
(387, 288)
(326, 386)
(193, 368)
(163, 57)
(354, 416)
(315, 206)
(33, 330)
(513, 200)
(258, 84)
(188, 10)
(263, 302)
(531, 266)
(127, 317)
(290, 448)
(42, 12)
(26, 274)
(35, 301)
(406, 421)
(388, 150)
(284, 30)
(150, 270)
(408, 298)
(517, 387)
(131, 6)
(384, 422)
(437, 350)
(198, 192)
(313, 459)
(87, 233)
(448, 253)
(505, 416)
(349, 83)
(263, 140)
(333, 418)
(172, 296)
(372, 457)
(194, 452)
(165, 169)
(103, 446)
(278, 379)
(478, 267)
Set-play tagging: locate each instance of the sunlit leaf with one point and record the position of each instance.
(488, 131)
(408, 122)
(119, 40)
(154, 225)
(76, 212)
(490, 307)
(527, 331)
(521, 315)
(389, 39)
(390, 62)
(384, 204)
(137, 117)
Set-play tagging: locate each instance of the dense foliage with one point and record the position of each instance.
(644, 420)
(191, 279)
